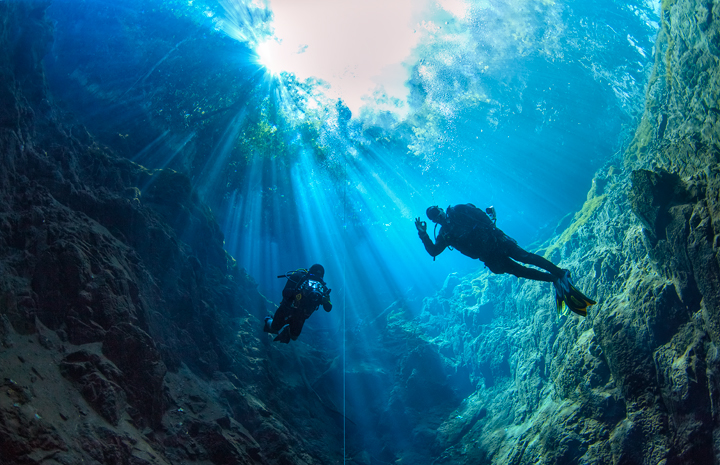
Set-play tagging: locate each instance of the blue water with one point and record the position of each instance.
(542, 96)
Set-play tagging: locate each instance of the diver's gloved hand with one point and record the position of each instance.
(420, 225)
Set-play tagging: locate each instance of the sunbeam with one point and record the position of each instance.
(271, 56)
(317, 131)
(357, 48)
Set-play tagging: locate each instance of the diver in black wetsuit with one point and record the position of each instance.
(303, 293)
(472, 232)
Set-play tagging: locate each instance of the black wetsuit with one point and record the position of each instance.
(301, 297)
(469, 230)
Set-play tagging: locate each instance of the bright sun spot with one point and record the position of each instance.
(269, 55)
(357, 47)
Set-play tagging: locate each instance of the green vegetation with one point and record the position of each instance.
(666, 5)
(261, 140)
(592, 203)
(641, 140)
(665, 31)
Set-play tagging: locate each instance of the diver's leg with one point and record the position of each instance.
(530, 273)
(296, 326)
(283, 312)
(522, 255)
(505, 265)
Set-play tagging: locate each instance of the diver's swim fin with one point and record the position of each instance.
(567, 295)
(578, 302)
(268, 325)
(559, 302)
(283, 334)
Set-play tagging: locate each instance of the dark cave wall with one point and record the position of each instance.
(127, 334)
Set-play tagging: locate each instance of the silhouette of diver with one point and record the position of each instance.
(303, 293)
(472, 232)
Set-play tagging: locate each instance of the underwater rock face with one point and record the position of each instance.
(635, 381)
(127, 334)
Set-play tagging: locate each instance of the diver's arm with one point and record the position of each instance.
(327, 305)
(433, 249)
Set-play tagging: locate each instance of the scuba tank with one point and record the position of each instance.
(490, 211)
(310, 291)
(472, 231)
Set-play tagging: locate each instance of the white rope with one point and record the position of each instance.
(344, 317)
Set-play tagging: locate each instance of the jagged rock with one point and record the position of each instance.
(97, 382)
(633, 382)
(651, 197)
(133, 352)
(116, 296)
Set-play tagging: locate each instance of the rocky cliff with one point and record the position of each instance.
(127, 334)
(636, 382)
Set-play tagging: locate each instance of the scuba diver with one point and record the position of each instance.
(472, 232)
(303, 293)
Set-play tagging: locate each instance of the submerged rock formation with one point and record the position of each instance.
(128, 335)
(637, 380)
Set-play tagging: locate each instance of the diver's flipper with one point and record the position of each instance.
(568, 295)
(559, 301)
(268, 325)
(283, 334)
(578, 302)
(562, 286)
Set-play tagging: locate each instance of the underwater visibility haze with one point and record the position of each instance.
(174, 159)
(510, 104)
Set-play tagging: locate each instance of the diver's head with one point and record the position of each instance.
(317, 270)
(436, 214)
